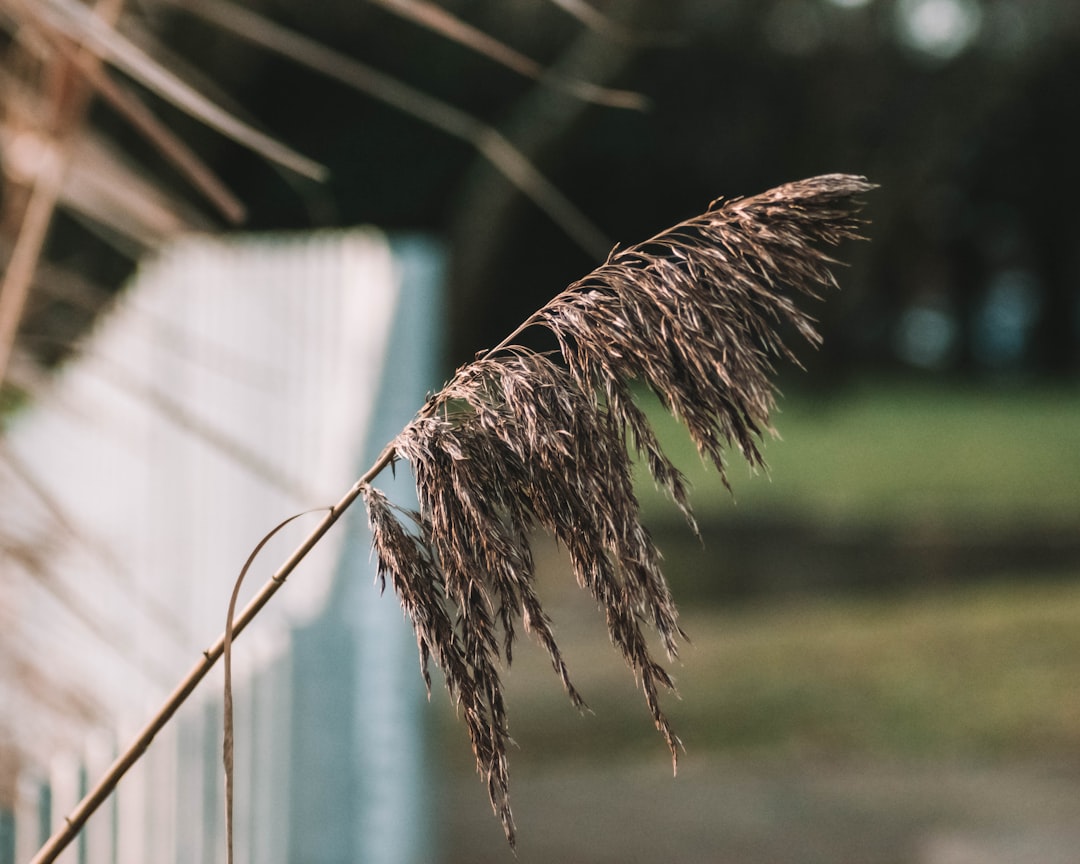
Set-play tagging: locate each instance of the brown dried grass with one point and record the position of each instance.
(519, 440)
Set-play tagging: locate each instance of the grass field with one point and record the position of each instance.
(904, 453)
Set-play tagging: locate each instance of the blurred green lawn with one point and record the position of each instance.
(984, 669)
(902, 453)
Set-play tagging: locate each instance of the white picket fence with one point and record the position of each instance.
(236, 382)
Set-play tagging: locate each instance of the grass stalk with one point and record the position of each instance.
(519, 440)
(93, 799)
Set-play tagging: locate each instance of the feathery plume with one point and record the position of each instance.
(519, 440)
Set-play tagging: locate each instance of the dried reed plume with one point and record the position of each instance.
(520, 439)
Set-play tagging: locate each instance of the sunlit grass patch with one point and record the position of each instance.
(904, 453)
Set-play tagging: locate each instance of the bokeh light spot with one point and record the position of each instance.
(940, 29)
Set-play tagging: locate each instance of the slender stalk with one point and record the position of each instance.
(19, 276)
(74, 821)
(68, 113)
(493, 145)
(170, 145)
(427, 14)
(93, 799)
(693, 313)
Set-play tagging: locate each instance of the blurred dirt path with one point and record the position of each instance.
(727, 810)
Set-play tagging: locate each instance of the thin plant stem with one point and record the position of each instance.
(438, 20)
(97, 796)
(226, 653)
(489, 142)
(48, 184)
(74, 821)
(693, 312)
(19, 277)
(170, 145)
